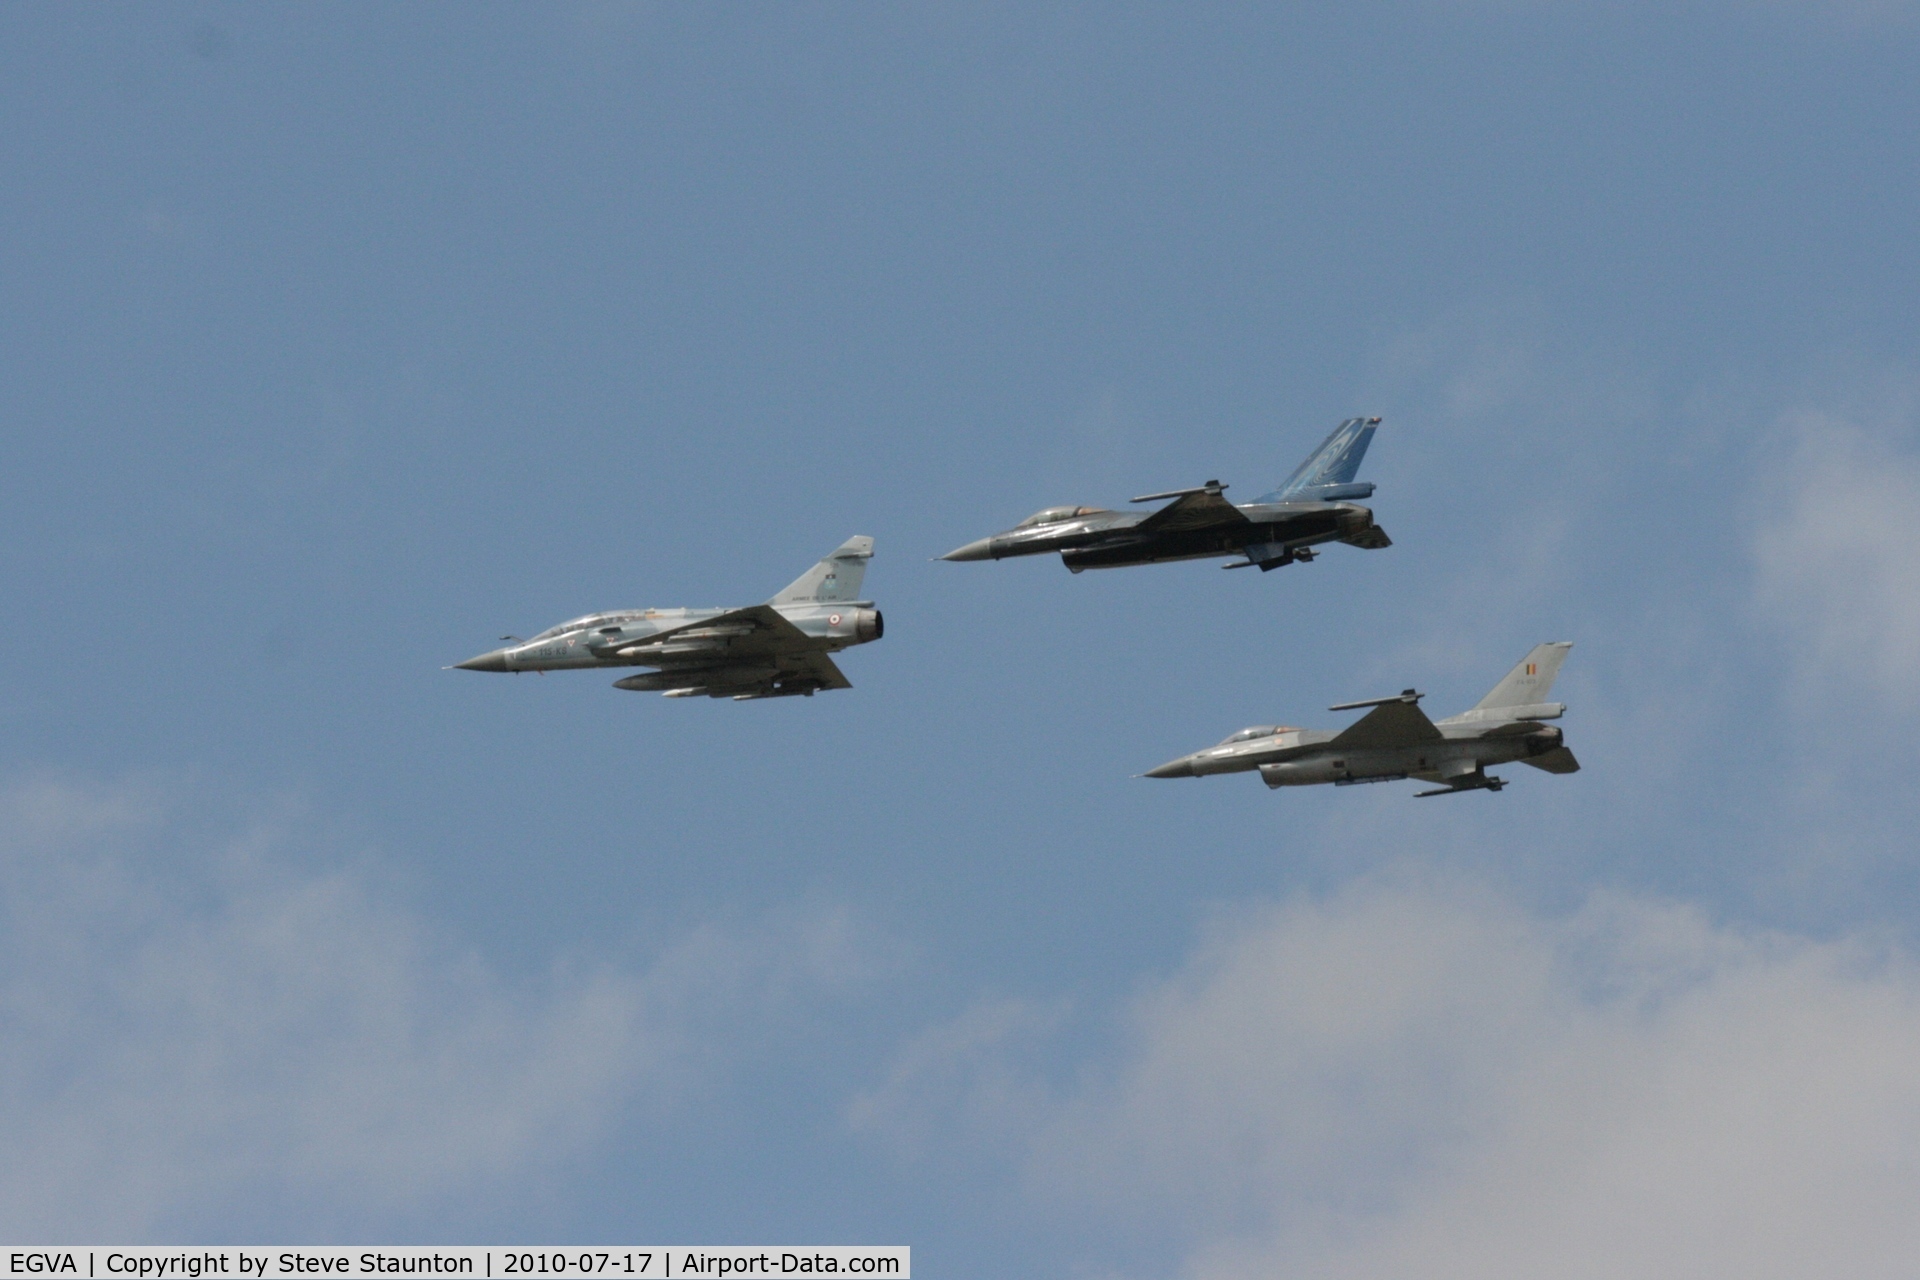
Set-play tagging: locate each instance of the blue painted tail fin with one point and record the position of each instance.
(1327, 474)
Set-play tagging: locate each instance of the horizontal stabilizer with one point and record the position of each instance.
(1558, 760)
(1371, 538)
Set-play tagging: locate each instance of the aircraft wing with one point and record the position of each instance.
(1391, 724)
(817, 666)
(1558, 760)
(1198, 509)
(755, 631)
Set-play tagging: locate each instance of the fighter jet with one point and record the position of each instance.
(1278, 528)
(1396, 740)
(774, 650)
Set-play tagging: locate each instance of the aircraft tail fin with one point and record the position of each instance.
(1328, 473)
(834, 579)
(1529, 683)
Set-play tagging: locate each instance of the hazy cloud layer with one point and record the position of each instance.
(1420, 1078)
(188, 1020)
(1838, 553)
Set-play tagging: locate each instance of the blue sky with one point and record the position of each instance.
(338, 342)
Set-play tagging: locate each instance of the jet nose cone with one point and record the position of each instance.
(1181, 768)
(979, 549)
(495, 661)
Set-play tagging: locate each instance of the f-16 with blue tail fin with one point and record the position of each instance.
(1316, 505)
(1395, 739)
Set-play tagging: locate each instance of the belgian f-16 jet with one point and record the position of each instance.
(1315, 505)
(1396, 740)
(774, 650)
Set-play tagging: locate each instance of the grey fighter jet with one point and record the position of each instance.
(1396, 740)
(774, 650)
(1314, 506)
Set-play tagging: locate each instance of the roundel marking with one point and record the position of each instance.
(833, 619)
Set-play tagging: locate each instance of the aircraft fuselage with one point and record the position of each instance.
(1304, 757)
(1272, 534)
(626, 637)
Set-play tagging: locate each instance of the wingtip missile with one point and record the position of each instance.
(1211, 486)
(1405, 695)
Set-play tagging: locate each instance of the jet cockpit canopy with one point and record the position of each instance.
(1251, 732)
(1054, 515)
(576, 625)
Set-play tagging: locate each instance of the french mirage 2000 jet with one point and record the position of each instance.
(774, 650)
(1396, 740)
(1314, 506)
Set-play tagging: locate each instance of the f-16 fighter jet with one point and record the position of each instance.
(774, 650)
(1312, 507)
(1396, 740)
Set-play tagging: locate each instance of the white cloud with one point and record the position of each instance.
(1838, 559)
(193, 1025)
(1413, 1078)
(962, 1076)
